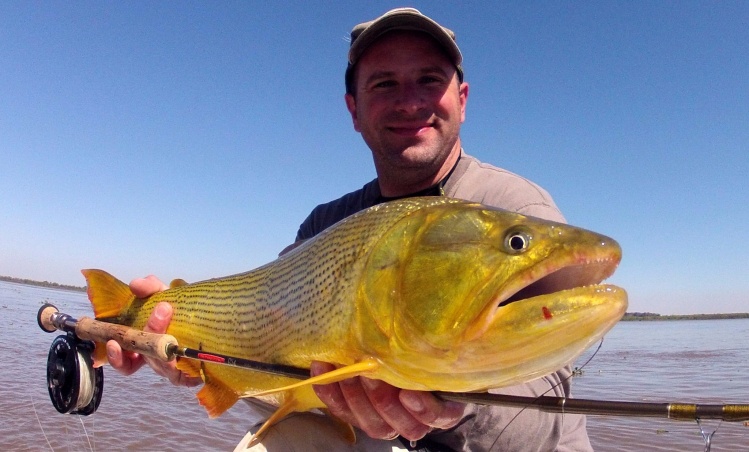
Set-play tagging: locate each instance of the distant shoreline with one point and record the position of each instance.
(628, 317)
(51, 285)
(649, 316)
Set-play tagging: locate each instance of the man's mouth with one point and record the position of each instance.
(409, 129)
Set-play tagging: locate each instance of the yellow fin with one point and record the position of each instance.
(333, 376)
(251, 439)
(177, 283)
(216, 397)
(189, 366)
(108, 295)
(99, 356)
(289, 405)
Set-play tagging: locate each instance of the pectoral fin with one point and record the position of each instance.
(353, 370)
(288, 406)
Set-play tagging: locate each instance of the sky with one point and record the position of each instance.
(190, 139)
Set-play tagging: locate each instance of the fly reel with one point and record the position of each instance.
(75, 386)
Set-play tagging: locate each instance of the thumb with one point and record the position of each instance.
(159, 319)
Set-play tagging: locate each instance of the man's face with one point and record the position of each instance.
(408, 104)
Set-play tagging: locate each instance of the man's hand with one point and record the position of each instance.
(383, 411)
(127, 362)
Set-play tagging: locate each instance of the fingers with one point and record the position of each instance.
(348, 401)
(331, 394)
(386, 402)
(430, 410)
(158, 322)
(122, 361)
(145, 287)
(127, 362)
(384, 411)
(160, 317)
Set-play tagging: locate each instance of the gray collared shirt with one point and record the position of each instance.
(486, 428)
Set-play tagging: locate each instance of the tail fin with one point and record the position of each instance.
(108, 295)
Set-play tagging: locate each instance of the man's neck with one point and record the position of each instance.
(399, 187)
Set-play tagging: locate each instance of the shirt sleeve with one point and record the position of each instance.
(497, 187)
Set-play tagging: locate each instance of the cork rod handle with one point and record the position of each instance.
(149, 344)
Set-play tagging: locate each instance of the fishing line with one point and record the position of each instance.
(40, 423)
(564, 399)
(86, 388)
(85, 381)
(85, 433)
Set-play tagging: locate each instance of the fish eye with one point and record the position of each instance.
(517, 241)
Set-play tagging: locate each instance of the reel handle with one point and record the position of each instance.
(155, 345)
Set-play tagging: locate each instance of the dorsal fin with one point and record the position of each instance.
(179, 282)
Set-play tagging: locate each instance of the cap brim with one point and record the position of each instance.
(406, 20)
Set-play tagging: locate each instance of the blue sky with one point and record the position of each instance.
(190, 139)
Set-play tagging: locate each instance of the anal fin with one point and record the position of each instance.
(216, 397)
(190, 366)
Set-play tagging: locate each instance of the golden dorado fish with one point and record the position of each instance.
(423, 293)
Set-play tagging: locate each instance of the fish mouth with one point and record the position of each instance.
(560, 276)
(545, 280)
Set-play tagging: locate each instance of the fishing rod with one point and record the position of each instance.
(76, 387)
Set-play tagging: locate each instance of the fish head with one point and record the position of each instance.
(486, 296)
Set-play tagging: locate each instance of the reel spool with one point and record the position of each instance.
(74, 385)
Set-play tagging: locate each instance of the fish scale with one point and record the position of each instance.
(291, 288)
(409, 292)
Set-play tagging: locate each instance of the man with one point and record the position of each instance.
(406, 96)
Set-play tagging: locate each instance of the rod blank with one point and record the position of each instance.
(677, 411)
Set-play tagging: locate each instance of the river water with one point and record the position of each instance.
(686, 361)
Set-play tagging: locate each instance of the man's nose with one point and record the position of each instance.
(410, 98)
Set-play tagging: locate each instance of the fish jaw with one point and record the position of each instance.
(477, 285)
(525, 340)
(463, 267)
(530, 338)
(575, 258)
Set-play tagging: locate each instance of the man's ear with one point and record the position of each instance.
(351, 106)
(463, 91)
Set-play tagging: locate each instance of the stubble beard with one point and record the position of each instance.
(412, 168)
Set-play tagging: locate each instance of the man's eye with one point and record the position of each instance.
(384, 84)
(429, 80)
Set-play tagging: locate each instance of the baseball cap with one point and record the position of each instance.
(367, 33)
